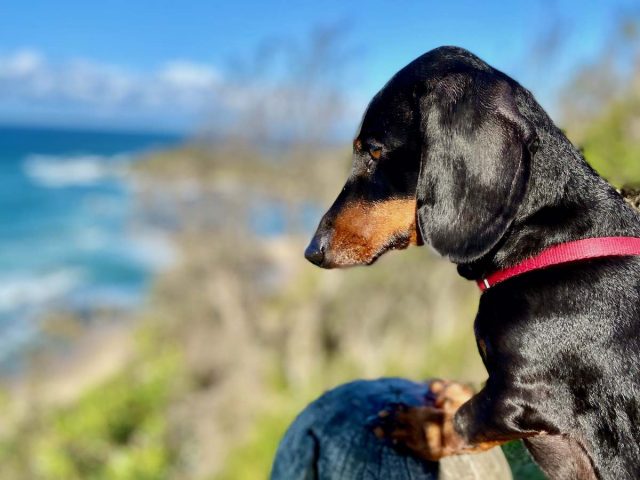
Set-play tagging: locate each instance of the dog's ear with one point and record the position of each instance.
(475, 162)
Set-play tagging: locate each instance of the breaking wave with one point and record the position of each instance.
(35, 290)
(57, 171)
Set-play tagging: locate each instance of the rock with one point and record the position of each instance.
(333, 439)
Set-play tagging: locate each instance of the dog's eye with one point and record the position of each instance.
(375, 152)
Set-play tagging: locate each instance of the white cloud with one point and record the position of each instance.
(20, 64)
(177, 85)
(184, 74)
(179, 92)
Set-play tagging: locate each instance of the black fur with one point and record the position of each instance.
(475, 162)
(496, 182)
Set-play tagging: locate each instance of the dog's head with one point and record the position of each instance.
(442, 154)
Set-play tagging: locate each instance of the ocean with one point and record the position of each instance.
(69, 237)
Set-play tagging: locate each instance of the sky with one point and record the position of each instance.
(169, 65)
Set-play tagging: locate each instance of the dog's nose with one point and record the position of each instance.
(314, 252)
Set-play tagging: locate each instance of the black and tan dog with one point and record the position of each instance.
(456, 154)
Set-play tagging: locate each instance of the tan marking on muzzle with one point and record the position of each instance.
(365, 230)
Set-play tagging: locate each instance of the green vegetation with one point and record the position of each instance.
(522, 467)
(116, 431)
(612, 143)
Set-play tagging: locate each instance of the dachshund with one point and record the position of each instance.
(457, 155)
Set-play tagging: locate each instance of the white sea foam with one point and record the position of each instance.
(56, 171)
(29, 291)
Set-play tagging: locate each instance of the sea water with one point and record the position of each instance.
(69, 237)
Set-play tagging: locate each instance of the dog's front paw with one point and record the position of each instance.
(416, 429)
(427, 431)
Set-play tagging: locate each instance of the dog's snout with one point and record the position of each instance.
(315, 252)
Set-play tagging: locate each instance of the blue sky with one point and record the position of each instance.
(153, 64)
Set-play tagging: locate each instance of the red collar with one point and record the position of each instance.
(566, 253)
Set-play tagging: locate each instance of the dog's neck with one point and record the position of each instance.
(565, 201)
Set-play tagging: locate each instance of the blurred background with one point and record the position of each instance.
(163, 165)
